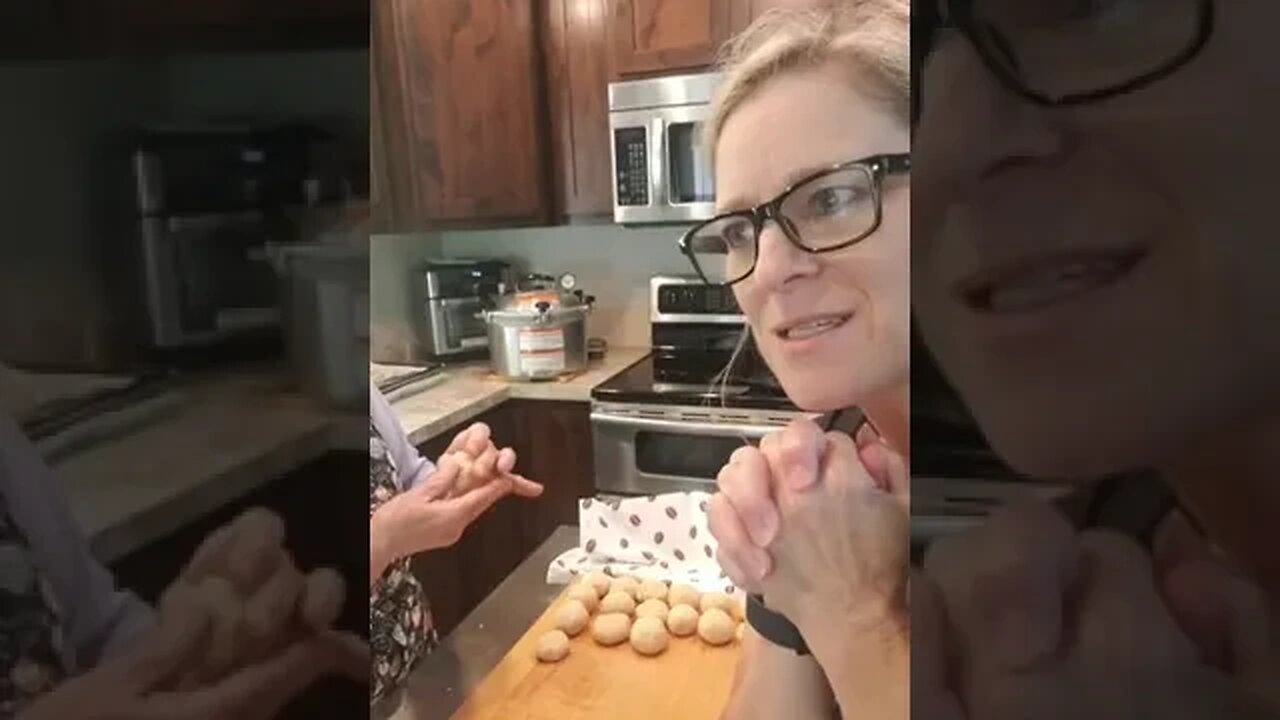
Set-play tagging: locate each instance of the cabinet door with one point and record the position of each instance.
(577, 56)
(321, 23)
(390, 205)
(32, 28)
(657, 36)
(163, 26)
(460, 92)
(744, 12)
(458, 578)
(159, 14)
(553, 443)
(555, 449)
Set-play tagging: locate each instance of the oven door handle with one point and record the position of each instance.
(687, 427)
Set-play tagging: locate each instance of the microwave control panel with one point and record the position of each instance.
(631, 147)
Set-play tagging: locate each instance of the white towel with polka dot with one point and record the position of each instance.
(658, 537)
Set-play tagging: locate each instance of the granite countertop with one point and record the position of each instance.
(460, 393)
(443, 680)
(224, 436)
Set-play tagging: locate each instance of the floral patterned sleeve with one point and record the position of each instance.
(401, 630)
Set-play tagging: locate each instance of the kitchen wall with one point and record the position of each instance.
(65, 270)
(611, 262)
(58, 135)
(391, 262)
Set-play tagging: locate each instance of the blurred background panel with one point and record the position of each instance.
(184, 275)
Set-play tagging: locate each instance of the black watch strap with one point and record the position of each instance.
(774, 627)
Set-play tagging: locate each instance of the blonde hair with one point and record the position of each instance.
(873, 37)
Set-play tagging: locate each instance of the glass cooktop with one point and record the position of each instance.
(692, 379)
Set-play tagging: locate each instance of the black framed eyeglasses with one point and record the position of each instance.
(828, 210)
(1069, 52)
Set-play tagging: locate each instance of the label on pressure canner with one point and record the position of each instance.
(542, 350)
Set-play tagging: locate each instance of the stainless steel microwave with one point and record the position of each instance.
(661, 172)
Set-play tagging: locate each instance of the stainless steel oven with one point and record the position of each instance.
(668, 423)
(645, 449)
(661, 173)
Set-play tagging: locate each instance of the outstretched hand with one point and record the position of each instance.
(435, 512)
(480, 462)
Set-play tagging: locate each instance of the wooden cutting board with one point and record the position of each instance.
(690, 681)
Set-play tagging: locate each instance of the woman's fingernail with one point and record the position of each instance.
(760, 566)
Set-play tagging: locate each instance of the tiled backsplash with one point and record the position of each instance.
(611, 262)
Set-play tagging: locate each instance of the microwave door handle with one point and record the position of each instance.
(687, 427)
(658, 162)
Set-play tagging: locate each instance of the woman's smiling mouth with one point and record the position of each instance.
(811, 327)
(1038, 283)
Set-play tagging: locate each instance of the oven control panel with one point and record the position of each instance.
(697, 300)
(680, 299)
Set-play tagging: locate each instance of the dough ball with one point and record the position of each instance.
(649, 636)
(716, 600)
(715, 627)
(684, 595)
(737, 634)
(553, 646)
(628, 585)
(600, 582)
(586, 595)
(611, 629)
(572, 618)
(682, 621)
(652, 608)
(652, 590)
(618, 601)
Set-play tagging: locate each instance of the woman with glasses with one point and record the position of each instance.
(1096, 273)
(810, 141)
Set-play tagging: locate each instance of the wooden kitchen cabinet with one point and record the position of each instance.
(577, 53)
(553, 444)
(55, 29)
(491, 113)
(160, 26)
(27, 27)
(457, 578)
(651, 37)
(592, 42)
(744, 12)
(461, 112)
